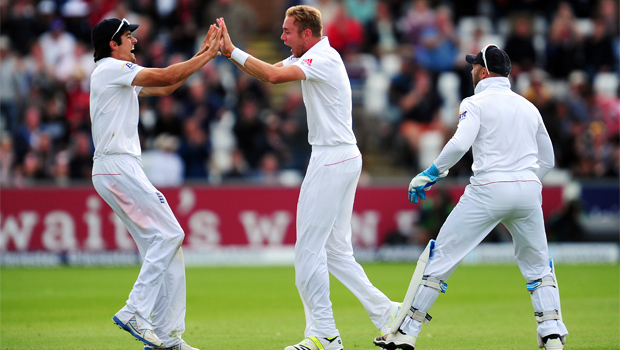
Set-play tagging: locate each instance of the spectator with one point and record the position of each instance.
(244, 23)
(608, 12)
(47, 154)
(76, 13)
(81, 163)
(13, 86)
(194, 150)
(566, 226)
(438, 43)
(21, 24)
(564, 51)
(418, 102)
(328, 9)
(239, 168)
(418, 18)
(583, 125)
(599, 50)
(166, 115)
(520, 46)
(31, 170)
(382, 35)
(250, 133)
(362, 10)
(269, 171)
(162, 165)
(184, 27)
(295, 132)
(29, 133)
(57, 45)
(7, 159)
(345, 33)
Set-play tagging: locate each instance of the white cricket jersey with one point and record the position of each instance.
(327, 95)
(506, 133)
(114, 111)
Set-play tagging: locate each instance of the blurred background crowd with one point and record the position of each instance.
(405, 59)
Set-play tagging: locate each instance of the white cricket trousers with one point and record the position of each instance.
(157, 299)
(517, 205)
(324, 240)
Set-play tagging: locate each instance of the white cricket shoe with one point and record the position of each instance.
(181, 346)
(396, 341)
(147, 336)
(553, 343)
(387, 323)
(316, 343)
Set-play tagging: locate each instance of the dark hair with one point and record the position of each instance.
(104, 51)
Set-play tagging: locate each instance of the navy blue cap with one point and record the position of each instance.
(103, 31)
(496, 58)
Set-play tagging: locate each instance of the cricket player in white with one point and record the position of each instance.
(155, 310)
(326, 198)
(512, 153)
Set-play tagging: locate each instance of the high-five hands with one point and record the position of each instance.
(226, 45)
(211, 43)
(423, 181)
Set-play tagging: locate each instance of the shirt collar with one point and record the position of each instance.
(321, 44)
(100, 62)
(492, 82)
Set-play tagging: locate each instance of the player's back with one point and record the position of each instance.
(506, 141)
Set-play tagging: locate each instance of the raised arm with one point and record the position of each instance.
(163, 81)
(272, 73)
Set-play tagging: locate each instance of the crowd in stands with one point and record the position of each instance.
(405, 59)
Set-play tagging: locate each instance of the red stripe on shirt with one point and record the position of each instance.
(342, 161)
(496, 182)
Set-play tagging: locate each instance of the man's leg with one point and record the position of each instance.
(328, 176)
(466, 226)
(169, 312)
(150, 221)
(342, 264)
(531, 252)
(314, 219)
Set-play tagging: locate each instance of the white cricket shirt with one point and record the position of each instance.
(327, 95)
(114, 111)
(506, 133)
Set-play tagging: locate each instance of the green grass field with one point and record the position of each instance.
(486, 307)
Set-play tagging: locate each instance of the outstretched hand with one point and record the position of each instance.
(214, 44)
(226, 44)
(211, 42)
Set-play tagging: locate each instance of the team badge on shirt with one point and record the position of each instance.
(129, 65)
(462, 115)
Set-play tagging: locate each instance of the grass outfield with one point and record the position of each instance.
(486, 307)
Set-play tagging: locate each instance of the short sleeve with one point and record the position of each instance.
(313, 67)
(291, 60)
(123, 73)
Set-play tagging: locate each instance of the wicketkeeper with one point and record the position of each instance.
(512, 153)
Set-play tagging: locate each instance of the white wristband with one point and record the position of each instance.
(240, 56)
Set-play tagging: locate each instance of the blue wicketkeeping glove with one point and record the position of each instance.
(423, 181)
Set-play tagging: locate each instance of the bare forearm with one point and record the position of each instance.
(248, 71)
(180, 72)
(261, 70)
